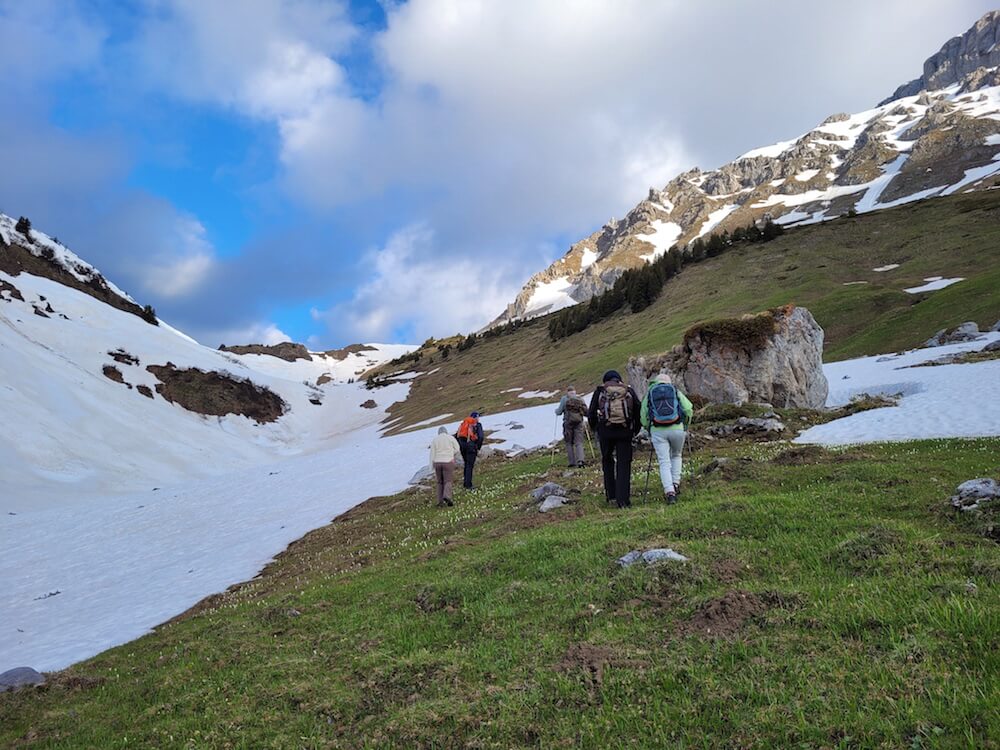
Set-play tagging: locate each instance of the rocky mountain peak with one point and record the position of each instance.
(959, 57)
(936, 136)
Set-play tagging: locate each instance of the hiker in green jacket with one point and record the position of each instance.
(666, 414)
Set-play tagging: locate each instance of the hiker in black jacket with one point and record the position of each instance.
(614, 414)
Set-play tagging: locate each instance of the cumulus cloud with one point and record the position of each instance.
(185, 262)
(412, 293)
(264, 333)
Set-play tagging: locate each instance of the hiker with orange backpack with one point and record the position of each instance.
(666, 413)
(614, 413)
(470, 440)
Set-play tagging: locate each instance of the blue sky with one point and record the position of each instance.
(335, 172)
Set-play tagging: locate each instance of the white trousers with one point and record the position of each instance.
(668, 444)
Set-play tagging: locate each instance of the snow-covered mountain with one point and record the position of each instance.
(936, 135)
(98, 395)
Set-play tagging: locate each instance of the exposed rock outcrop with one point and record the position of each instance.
(960, 56)
(968, 331)
(286, 350)
(217, 393)
(775, 357)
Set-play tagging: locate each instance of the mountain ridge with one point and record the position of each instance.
(927, 143)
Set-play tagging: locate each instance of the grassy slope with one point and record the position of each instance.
(401, 625)
(954, 236)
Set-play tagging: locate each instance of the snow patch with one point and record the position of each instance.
(933, 284)
(968, 394)
(663, 237)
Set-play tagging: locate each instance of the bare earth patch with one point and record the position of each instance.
(728, 615)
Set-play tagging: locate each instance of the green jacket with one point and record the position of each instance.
(686, 410)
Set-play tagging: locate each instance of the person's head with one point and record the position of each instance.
(475, 415)
(571, 391)
(663, 377)
(442, 430)
(612, 375)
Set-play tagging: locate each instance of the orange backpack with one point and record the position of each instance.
(467, 429)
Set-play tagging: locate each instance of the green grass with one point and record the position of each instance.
(486, 625)
(811, 266)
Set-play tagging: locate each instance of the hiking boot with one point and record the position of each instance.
(677, 490)
(448, 502)
(670, 497)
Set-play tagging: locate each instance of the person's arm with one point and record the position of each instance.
(456, 450)
(644, 412)
(636, 424)
(686, 408)
(480, 436)
(562, 406)
(592, 411)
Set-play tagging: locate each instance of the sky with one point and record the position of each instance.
(341, 171)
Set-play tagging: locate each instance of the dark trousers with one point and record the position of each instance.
(469, 454)
(616, 461)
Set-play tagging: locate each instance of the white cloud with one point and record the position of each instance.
(264, 333)
(411, 290)
(184, 263)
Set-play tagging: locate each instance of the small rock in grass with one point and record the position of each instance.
(971, 495)
(993, 346)
(549, 488)
(19, 677)
(651, 557)
(552, 502)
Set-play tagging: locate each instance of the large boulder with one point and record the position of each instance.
(19, 677)
(775, 357)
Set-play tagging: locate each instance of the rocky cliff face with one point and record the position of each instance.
(936, 135)
(958, 58)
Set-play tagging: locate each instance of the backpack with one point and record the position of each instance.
(664, 405)
(467, 429)
(574, 411)
(613, 406)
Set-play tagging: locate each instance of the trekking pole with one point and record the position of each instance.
(586, 431)
(649, 465)
(555, 436)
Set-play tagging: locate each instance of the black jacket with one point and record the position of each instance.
(634, 409)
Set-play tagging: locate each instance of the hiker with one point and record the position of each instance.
(614, 413)
(470, 439)
(445, 451)
(573, 410)
(666, 413)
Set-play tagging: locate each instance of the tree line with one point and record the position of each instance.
(638, 288)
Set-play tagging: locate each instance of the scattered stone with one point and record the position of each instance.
(993, 346)
(369, 404)
(487, 451)
(716, 464)
(749, 426)
(516, 426)
(425, 474)
(121, 356)
(315, 402)
(996, 327)
(547, 489)
(975, 493)
(552, 502)
(650, 557)
(19, 677)
(967, 331)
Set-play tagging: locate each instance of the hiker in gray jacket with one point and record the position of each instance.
(574, 413)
